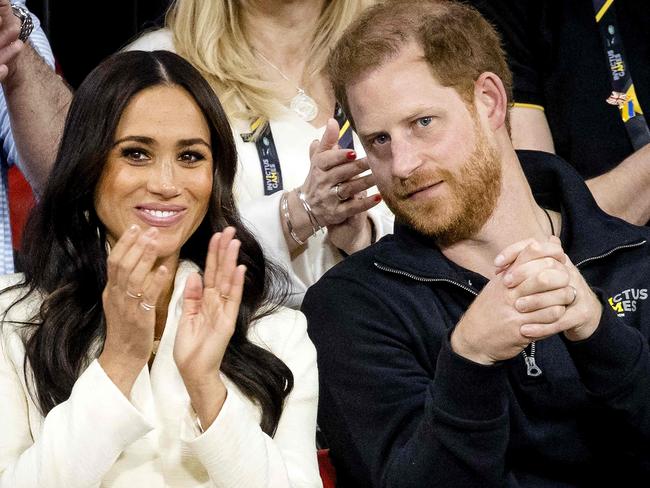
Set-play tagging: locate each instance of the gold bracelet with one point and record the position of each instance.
(284, 206)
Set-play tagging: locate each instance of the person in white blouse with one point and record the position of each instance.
(134, 350)
(266, 60)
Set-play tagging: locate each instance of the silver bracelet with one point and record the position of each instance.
(284, 206)
(198, 424)
(315, 224)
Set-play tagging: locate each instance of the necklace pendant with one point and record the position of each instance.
(304, 105)
(531, 367)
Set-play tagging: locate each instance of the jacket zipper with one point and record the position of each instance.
(611, 251)
(532, 369)
(423, 279)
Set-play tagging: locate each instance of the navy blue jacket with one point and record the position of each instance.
(400, 409)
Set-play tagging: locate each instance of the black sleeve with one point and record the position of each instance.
(397, 411)
(520, 25)
(614, 365)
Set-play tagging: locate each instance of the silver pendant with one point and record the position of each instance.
(304, 105)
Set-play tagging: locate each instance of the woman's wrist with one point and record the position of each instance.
(122, 370)
(207, 400)
(296, 224)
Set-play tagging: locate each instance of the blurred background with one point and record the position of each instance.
(80, 42)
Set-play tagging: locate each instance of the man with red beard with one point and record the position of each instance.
(468, 349)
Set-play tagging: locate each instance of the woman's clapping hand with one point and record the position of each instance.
(210, 311)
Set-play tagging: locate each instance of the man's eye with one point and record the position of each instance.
(424, 121)
(382, 139)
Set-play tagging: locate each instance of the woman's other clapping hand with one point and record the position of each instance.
(133, 287)
(210, 311)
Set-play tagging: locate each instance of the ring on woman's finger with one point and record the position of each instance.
(575, 294)
(137, 296)
(146, 307)
(225, 297)
(337, 190)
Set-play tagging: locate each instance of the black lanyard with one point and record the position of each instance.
(623, 92)
(268, 152)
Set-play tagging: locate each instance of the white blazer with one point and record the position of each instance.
(100, 438)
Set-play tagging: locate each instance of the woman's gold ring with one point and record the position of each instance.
(137, 296)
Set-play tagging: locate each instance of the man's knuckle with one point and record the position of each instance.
(543, 279)
(557, 312)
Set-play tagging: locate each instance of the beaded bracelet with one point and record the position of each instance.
(315, 225)
(284, 206)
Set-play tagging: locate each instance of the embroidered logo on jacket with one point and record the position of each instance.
(626, 301)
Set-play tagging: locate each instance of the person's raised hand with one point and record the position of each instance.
(10, 45)
(129, 299)
(333, 187)
(208, 320)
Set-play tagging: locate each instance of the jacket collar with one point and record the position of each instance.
(587, 231)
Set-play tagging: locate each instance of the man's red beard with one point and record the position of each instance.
(466, 204)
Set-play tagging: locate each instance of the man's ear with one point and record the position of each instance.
(490, 99)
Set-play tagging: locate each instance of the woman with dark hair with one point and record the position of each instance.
(134, 350)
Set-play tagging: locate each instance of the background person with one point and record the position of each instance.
(33, 104)
(467, 349)
(263, 58)
(127, 358)
(563, 93)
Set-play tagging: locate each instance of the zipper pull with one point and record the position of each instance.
(531, 367)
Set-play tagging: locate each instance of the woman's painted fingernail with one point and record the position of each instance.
(351, 155)
(377, 198)
(133, 229)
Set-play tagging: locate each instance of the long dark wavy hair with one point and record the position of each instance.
(64, 252)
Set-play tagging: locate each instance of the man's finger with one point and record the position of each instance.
(528, 250)
(560, 296)
(546, 280)
(518, 273)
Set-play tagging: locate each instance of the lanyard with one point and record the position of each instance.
(623, 93)
(268, 152)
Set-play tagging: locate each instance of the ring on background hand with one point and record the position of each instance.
(337, 190)
(137, 296)
(225, 297)
(146, 307)
(575, 294)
